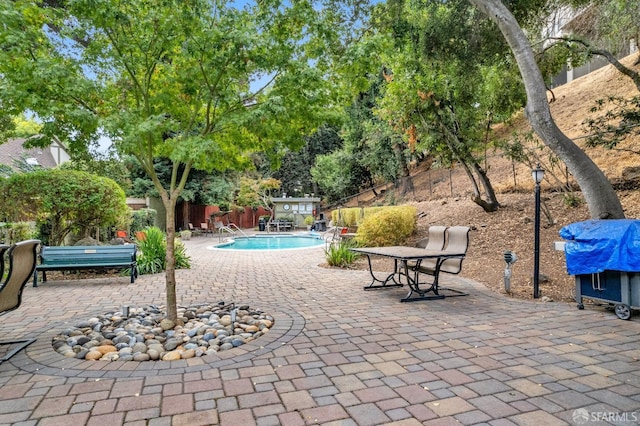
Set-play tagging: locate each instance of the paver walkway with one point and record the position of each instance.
(336, 354)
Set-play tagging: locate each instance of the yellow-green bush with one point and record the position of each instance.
(353, 216)
(388, 226)
(346, 217)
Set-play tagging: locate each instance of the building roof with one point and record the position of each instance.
(13, 150)
(296, 200)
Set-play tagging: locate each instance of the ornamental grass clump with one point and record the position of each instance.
(391, 226)
(340, 255)
(153, 252)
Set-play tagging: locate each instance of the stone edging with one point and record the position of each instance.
(41, 358)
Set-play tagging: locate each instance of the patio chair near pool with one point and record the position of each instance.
(204, 227)
(195, 231)
(22, 262)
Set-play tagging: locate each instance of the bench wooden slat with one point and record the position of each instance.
(97, 258)
(69, 258)
(79, 264)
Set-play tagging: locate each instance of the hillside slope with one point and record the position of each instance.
(443, 196)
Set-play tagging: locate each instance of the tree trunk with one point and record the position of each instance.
(490, 204)
(170, 271)
(185, 214)
(473, 169)
(406, 185)
(601, 199)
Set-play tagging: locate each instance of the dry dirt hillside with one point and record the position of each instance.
(442, 195)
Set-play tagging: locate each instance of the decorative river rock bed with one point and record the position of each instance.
(144, 334)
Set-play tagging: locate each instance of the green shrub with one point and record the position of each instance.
(570, 199)
(142, 219)
(353, 216)
(17, 231)
(390, 226)
(153, 252)
(180, 252)
(390, 198)
(308, 220)
(340, 255)
(69, 201)
(44, 228)
(350, 216)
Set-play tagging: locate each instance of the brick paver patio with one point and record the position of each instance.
(336, 354)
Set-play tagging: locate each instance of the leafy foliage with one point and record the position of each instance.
(295, 171)
(447, 81)
(153, 252)
(391, 226)
(11, 233)
(202, 187)
(143, 218)
(340, 255)
(622, 118)
(334, 174)
(70, 201)
(257, 192)
(353, 216)
(112, 168)
(371, 151)
(26, 127)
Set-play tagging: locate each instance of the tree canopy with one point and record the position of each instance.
(181, 80)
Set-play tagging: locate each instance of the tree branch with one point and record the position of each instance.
(633, 75)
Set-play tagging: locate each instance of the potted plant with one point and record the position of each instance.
(185, 235)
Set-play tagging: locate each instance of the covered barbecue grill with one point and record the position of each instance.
(604, 256)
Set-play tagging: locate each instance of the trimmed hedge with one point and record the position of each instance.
(353, 216)
(387, 226)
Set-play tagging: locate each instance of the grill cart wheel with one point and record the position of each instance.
(623, 311)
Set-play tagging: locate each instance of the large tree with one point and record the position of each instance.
(441, 76)
(172, 79)
(601, 199)
(295, 171)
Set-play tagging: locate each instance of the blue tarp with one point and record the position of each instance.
(597, 245)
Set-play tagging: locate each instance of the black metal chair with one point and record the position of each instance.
(22, 263)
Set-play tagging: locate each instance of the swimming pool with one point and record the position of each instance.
(271, 242)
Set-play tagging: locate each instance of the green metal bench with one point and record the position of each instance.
(74, 258)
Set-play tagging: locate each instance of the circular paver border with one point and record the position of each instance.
(41, 358)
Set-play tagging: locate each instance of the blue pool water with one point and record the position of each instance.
(271, 242)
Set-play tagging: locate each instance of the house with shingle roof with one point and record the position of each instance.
(13, 155)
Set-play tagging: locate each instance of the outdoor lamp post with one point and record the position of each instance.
(538, 175)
